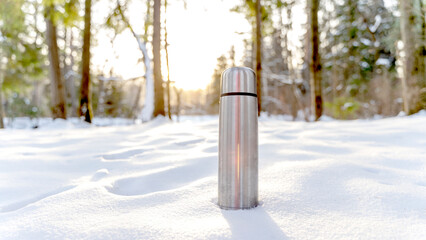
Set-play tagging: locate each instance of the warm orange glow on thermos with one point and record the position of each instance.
(238, 140)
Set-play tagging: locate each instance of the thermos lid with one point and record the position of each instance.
(238, 80)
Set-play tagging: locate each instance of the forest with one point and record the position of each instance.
(116, 123)
(353, 59)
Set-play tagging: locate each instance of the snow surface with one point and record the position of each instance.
(362, 179)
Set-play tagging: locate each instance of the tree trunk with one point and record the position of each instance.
(316, 78)
(85, 93)
(67, 72)
(156, 47)
(232, 56)
(306, 70)
(1, 95)
(169, 111)
(100, 107)
(422, 55)
(148, 108)
(1, 102)
(57, 87)
(259, 55)
(178, 93)
(147, 111)
(409, 88)
(135, 107)
(70, 80)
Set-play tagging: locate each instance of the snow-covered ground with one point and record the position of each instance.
(363, 179)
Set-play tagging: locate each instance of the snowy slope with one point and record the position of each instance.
(363, 179)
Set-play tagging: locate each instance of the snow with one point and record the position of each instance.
(364, 64)
(347, 105)
(365, 41)
(27, 123)
(383, 61)
(378, 21)
(361, 179)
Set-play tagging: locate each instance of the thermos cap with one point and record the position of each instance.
(238, 80)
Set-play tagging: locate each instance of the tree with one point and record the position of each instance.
(283, 95)
(148, 110)
(67, 19)
(156, 47)
(213, 89)
(57, 87)
(422, 51)
(232, 56)
(21, 58)
(85, 108)
(118, 21)
(411, 74)
(258, 16)
(316, 96)
(259, 55)
(358, 55)
(166, 45)
(1, 95)
(70, 74)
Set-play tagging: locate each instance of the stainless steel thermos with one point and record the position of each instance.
(238, 140)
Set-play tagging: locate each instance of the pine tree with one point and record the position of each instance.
(356, 35)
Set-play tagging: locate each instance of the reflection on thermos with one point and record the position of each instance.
(238, 140)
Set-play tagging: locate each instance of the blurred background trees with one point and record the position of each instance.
(364, 58)
(363, 49)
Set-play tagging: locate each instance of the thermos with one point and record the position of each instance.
(238, 140)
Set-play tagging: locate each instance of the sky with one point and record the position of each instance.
(199, 32)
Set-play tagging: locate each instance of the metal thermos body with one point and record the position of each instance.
(238, 140)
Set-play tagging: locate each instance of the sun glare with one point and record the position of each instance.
(197, 36)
